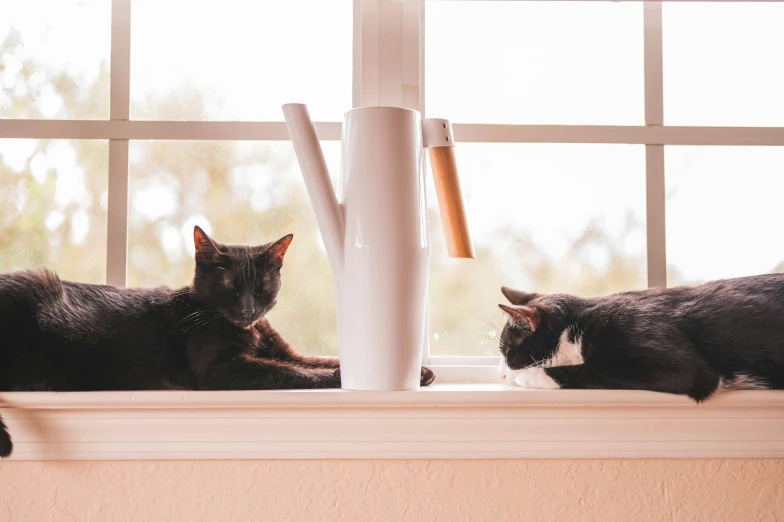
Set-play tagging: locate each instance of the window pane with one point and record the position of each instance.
(53, 196)
(723, 63)
(239, 192)
(54, 58)
(239, 59)
(724, 212)
(545, 218)
(534, 62)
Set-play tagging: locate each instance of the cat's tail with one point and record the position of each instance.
(6, 444)
(30, 286)
(23, 295)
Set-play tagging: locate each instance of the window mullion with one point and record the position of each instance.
(654, 154)
(119, 110)
(356, 62)
(389, 54)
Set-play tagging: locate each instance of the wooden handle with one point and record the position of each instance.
(450, 202)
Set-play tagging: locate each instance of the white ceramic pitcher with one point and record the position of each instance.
(376, 234)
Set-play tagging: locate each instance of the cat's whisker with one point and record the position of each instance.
(486, 329)
(203, 321)
(186, 318)
(195, 316)
(493, 322)
(196, 325)
(210, 321)
(487, 323)
(536, 363)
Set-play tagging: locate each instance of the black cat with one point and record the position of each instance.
(688, 340)
(63, 336)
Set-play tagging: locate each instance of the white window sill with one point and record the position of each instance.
(445, 421)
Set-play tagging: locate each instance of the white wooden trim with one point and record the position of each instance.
(455, 369)
(368, 52)
(390, 53)
(422, 41)
(458, 372)
(655, 197)
(120, 69)
(119, 110)
(465, 360)
(157, 130)
(464, 132)
(655, 203)
(356, 55)
(445, 421)
(665, 1)
(412, 54)
(653, 66)
(635, 135)
(117, 214)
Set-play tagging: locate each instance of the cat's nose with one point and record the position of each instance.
(247, 314)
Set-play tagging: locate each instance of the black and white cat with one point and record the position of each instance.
(692, 341)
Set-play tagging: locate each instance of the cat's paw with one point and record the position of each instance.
(536, 378)
(426, 376)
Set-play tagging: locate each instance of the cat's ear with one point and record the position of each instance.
(517, 297)
(206, 249)
(528, 316)
(278, 249)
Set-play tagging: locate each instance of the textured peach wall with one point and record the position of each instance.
(602, 490)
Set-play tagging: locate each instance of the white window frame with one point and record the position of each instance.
(445, 420)
(389, 69)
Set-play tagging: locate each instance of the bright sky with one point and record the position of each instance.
(492, 62)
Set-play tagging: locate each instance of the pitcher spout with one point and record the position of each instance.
(329, 213)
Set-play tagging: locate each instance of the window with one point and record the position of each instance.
(723, 212)
(249, 65)
(555, 217)
(574, 181)
(120, 207)
(45, 71)
(53, 201)
(602, 147)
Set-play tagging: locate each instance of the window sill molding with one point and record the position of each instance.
(445, 421)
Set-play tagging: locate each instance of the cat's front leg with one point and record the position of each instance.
(621, 375)
(535, 378)
(250, 373)
(273, 343)
(272, 346)
(426, 375)
(313, 361)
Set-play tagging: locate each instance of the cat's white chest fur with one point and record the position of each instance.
(568, 353)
